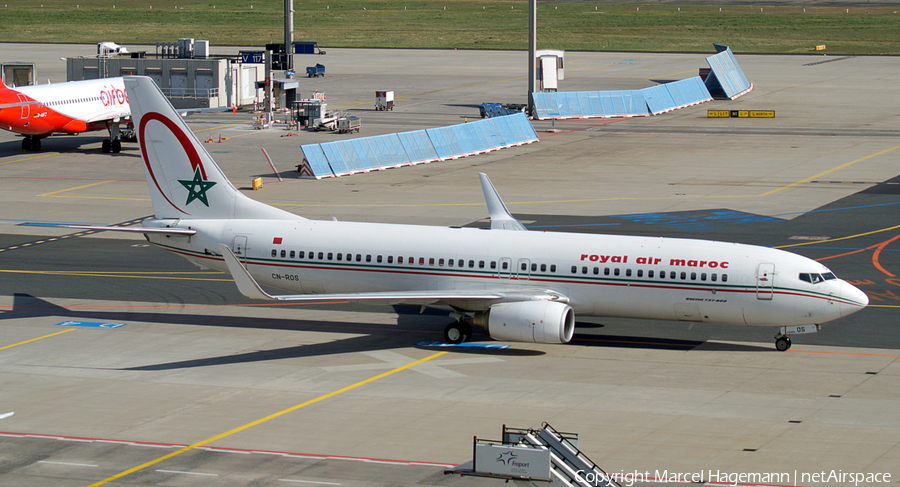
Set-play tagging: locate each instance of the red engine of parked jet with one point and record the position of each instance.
(529, 321)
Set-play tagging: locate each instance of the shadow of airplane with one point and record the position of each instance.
(411, 328)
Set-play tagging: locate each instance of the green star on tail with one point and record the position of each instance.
(197, 188)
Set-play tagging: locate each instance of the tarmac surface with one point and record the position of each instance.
(232, 392)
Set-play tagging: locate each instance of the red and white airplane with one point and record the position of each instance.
(517, 285)
(70, 108)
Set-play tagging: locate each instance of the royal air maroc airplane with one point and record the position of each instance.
(70, 108)
(518, 285)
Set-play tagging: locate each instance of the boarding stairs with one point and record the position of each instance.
(568, 466)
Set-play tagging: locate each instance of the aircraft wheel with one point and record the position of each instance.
(782, 343)
(106, 146)
(116, 146)
(26, 143)
(35, 144)
(457, 332)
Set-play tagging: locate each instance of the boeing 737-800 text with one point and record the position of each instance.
(38, 111)
(516, 284)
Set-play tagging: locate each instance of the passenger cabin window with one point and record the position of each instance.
(543, 267)
(724, 277)
(291, 255)
(440, 261)
(649, 274)
(616, 271)
(431, 261)
(553, 268)
(471, 264)
(596, 271)
(450, 263)
(584, 270)
(390, 259)
(368, 257)
(359, 257)
(504, 265)
(493, 264)
(339, 256)
(378, 259)
(574, 269)
(321, 255)
(283, 254)
(330, 256)
(275, 254)
(481, 264)
(627, 272)
(301, 254)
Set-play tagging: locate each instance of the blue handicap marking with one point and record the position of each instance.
(492, 346)
(91, 324)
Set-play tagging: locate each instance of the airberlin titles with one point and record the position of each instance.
(623, 259)
(110, 95)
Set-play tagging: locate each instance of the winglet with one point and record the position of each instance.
(500, 217)
(245, 282)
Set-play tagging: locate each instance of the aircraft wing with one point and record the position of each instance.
(106, 118)
(250, 288)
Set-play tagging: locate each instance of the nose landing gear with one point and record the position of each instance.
(782, 343)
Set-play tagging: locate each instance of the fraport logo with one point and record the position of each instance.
(506, 457)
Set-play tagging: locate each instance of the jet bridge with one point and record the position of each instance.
(534, 457)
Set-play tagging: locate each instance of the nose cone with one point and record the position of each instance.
(852, 299)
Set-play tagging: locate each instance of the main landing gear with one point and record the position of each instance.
(31, 143)
(114, 146)
(458, 332)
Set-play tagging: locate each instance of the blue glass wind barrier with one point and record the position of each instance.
(345, 157)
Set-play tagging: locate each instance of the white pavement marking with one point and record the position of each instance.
(393, 359)
(6, 415)
(67, 463)
(308, 482)
(189, 473)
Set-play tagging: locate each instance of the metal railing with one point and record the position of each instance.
(191, 92)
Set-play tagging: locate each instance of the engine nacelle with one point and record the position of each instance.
(529, 321)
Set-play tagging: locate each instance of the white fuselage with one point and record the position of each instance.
(72, 107)
(601, 275)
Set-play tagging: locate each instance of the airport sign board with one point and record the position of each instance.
(251, 57)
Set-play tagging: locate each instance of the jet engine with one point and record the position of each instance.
(529, 321)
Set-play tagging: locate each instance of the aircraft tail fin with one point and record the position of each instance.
(184, 180)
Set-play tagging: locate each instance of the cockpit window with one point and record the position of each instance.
(816, 278)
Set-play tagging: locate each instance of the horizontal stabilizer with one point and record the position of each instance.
(17, 104)
(164, 231)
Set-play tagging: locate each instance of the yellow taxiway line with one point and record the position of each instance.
(36, 339)
(263, 420)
